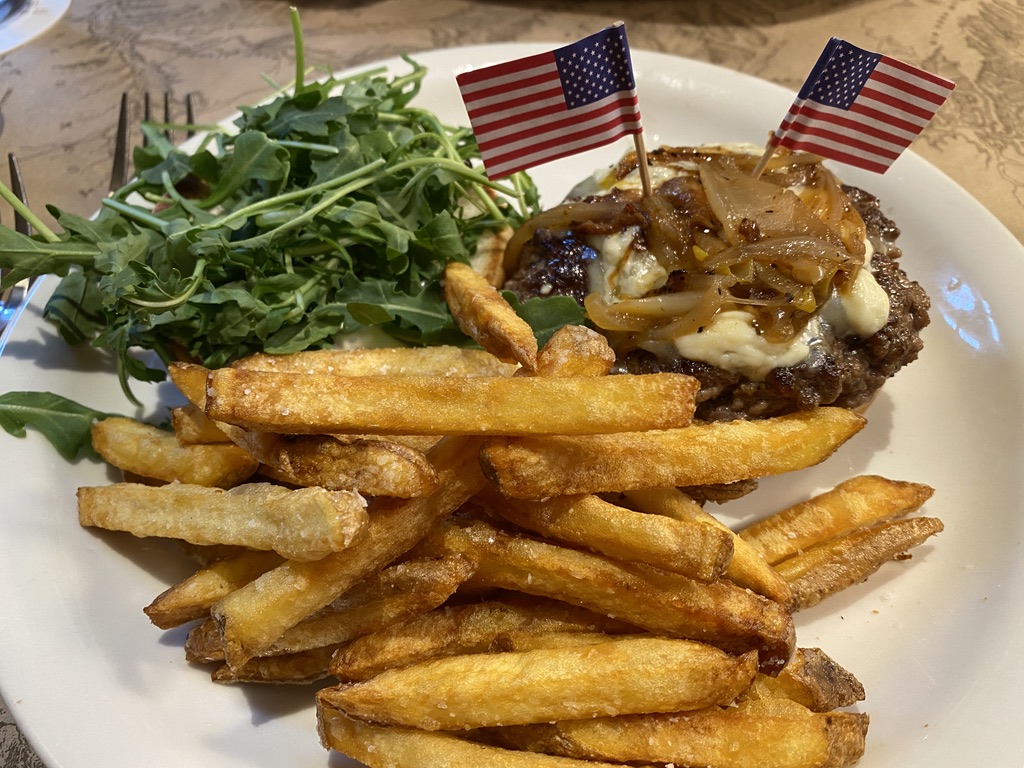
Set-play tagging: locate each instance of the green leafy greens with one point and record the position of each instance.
(330, 208)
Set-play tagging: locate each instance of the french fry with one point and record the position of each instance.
(632, 675)
(369, 465)
(483, 314)
(854, 503)
(150, 452)
(304, 524)
(372, 466)
(748, 568)
(388, 747)
(834, 565)
(575, 350)
(291, 669)
(719, 613)
(539, 467)
(694, 549)
(192, 427)
(383, 361)
(811, 679)
(754, 734)
(464, 629)
(192, 598)
(317, 404)
(254, 617)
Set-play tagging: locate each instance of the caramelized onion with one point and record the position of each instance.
(562, 217)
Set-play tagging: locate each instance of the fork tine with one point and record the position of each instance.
(18, 188)
(190, 113)
(119, 172)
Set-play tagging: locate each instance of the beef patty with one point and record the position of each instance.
(839, 371)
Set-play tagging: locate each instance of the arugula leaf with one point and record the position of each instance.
(546, 314)
(65, 423)
(329, 208)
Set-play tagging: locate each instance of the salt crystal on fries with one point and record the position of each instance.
(433, 405)
(305, 524)
(539, 467)
(631, 675)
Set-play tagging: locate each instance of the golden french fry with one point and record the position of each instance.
(150, 452)
(538, 467)
(255, 616)
(489, 256)
(389, 747)
(754, 734)
(371, 466)
(575, 350)
(297, 668)
(192, 598)
(192, 427)
(304, 524)
(383, 361)
(694, 549)
(812, 679)
(483, 314)
(720, 613)
(633, 675)
(465, 629)
(854, 503)
(318, 404)
(748, 568)
(834, 565)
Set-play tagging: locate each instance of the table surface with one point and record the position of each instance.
(59, 93)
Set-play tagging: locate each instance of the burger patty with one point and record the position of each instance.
(845, 372)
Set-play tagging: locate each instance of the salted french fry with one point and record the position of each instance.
(319, 404)
(370, 465)
(721, 613)
(575, 350)
(192, 427)
(304, 524)
(834, 565)
(192, 598)
(389, 747)
(254, 617)
(489, 256)
(291, 669)
(694, 549)
(538, 467)
(644, 674)
(748, 568)
(483, 314)
(811, 679)
(150, 452)
(854, 503)
(754, 734)
(465, 629)
(383, 361)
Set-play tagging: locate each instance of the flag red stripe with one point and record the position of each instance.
(850, 140)
(495, 136)
(545, 81)
(521, 161)
(909, 88)
(810, 113)
(477, 76)
(831, 152)
(917, 72)
(885, 118)
(867, 92)
(516, 103)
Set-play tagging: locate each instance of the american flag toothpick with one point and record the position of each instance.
(554, 104)
(860, 108)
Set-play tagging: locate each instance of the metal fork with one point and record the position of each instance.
(121, 169)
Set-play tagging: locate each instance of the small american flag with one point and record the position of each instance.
(554, 104)
(861, 108)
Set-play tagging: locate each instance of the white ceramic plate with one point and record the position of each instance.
(934, 639)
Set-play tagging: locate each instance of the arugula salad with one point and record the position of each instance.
(328, 209)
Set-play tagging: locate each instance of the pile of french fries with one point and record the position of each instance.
(484, 556)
